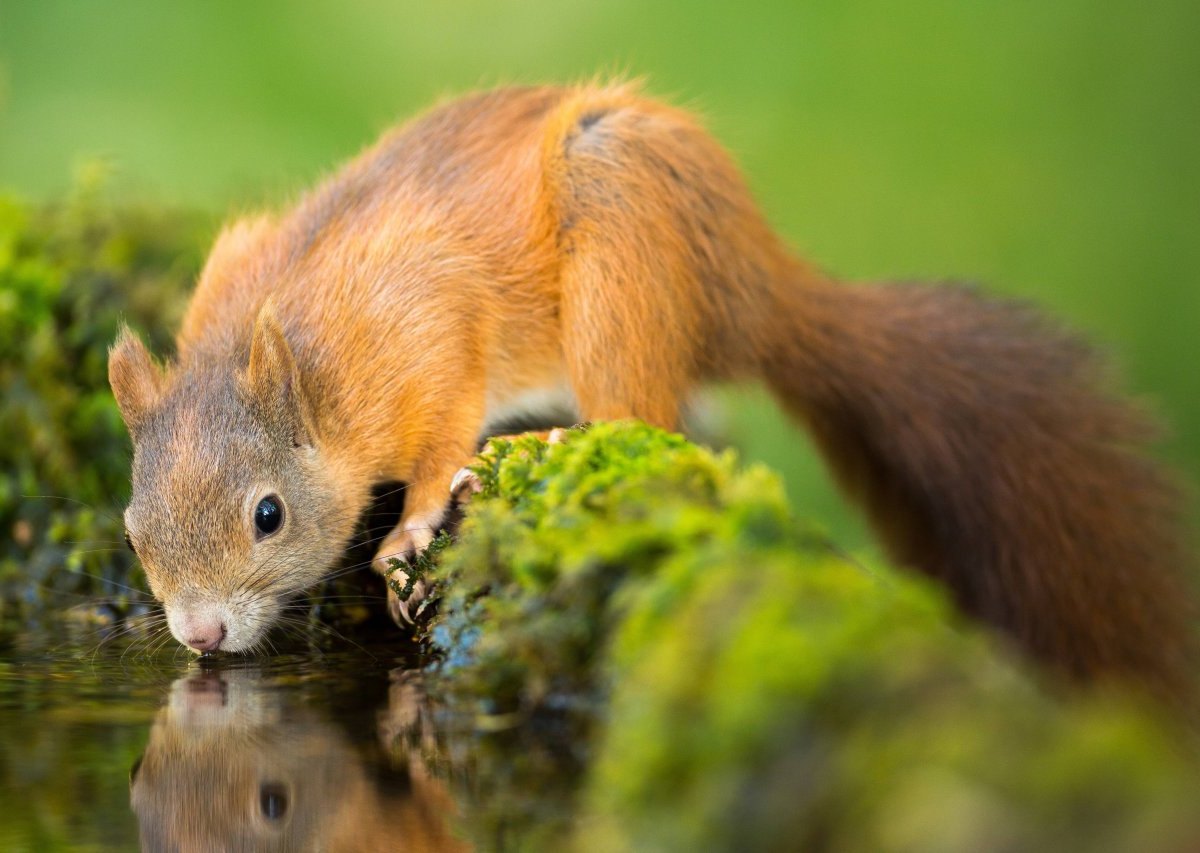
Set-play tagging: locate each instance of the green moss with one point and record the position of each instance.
(555, 534)
(68, 275)
(796, 701)
(742, 683)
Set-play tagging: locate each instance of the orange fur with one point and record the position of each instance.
(589, 237)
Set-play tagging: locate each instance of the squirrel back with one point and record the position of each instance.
(591, 238)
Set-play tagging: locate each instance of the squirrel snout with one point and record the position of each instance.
(202, 633)
(207, 623)
(207, 639)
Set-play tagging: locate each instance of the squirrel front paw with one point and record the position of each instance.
(464, 486)
(404, 611)
(403, 546)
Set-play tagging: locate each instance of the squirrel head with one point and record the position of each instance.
(233, 508)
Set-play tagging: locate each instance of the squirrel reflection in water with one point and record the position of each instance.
(232, 764)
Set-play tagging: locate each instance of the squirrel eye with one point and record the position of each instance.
(268, 516)
(129, 543)
(272, 800)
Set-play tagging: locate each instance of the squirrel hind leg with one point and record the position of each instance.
(638, 193)
(620, 363)
(628, 325)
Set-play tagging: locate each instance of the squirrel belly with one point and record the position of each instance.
(527, 238)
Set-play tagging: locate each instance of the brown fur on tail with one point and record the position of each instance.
(981, 443)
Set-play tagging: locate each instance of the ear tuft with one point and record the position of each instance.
(272, 366)
(136, 381)
(272, 377)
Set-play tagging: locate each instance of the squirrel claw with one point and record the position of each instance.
(403, 546)
(404, 612)
(464, 486)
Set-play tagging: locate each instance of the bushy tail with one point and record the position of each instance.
(980, 441)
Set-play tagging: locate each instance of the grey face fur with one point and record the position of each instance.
(211, 439)
(203, 459)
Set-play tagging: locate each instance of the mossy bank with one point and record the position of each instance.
(746, 683)
(726, 679)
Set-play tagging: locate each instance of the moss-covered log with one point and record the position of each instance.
(751, 688)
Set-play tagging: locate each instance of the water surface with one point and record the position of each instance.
(107, 748)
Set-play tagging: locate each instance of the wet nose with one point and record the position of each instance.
(204, 635)
(208, 641)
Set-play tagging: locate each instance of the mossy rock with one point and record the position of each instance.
(751, 688)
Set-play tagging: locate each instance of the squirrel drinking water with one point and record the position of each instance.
(587, 236)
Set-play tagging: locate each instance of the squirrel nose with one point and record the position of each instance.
(206, 636)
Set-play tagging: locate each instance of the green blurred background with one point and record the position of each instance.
(1049, 150)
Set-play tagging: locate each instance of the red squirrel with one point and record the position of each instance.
(588, 237)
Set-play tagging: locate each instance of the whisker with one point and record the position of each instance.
(329, 629)
(110, 581)
(93, 508)
(377, 498)
(107, 550)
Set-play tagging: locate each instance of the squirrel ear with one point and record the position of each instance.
(273, 379)
(136, 381)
